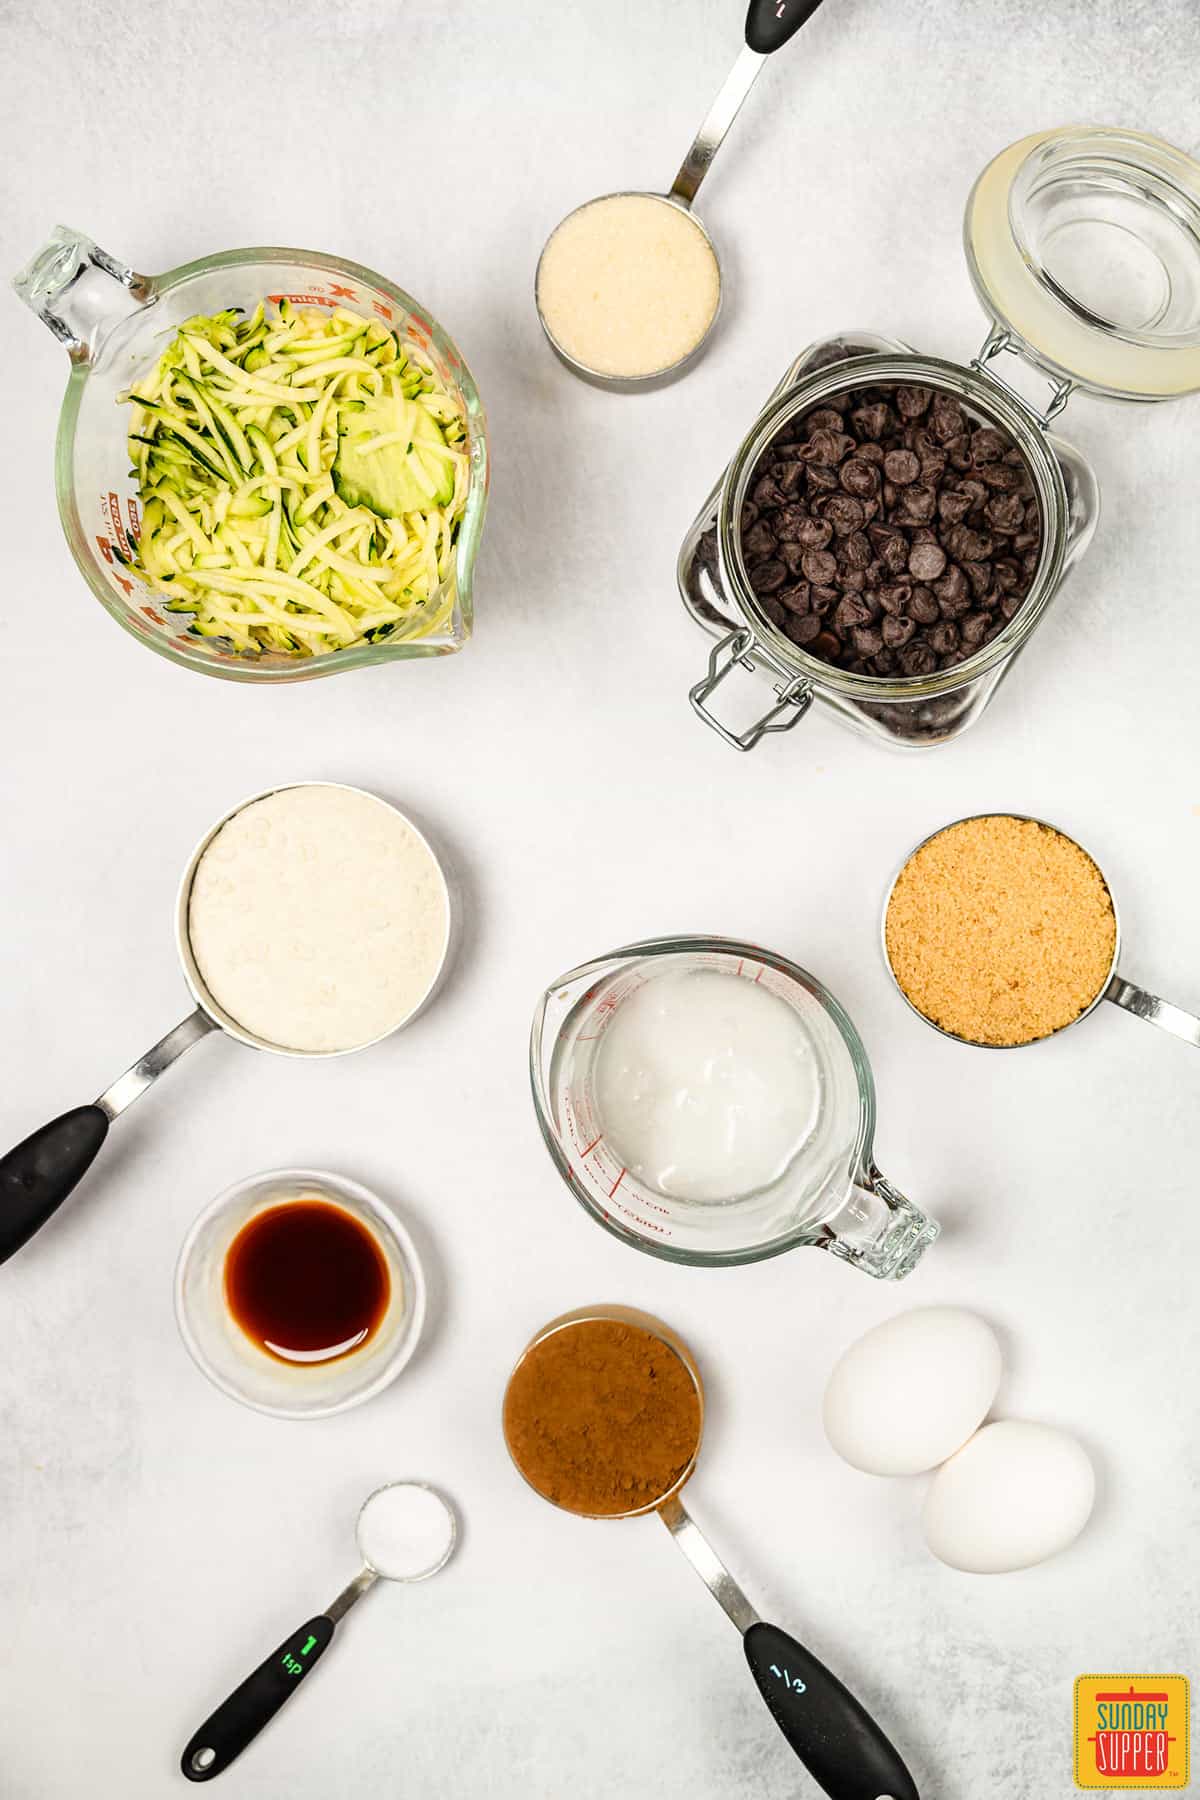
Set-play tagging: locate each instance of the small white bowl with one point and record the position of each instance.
(233, 1362)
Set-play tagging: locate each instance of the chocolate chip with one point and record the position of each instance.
(913, 402)
(953, 508)
(1005, 512)
(897, 632)
(827, 447)
(850, 611)
(802, 628)
(896, 597)
(859, 477)
(818, 565)
(844, 513)
(967, 545)
(867, 640)
(873, 422)
(917, 659)
(892, 531)
(797, 598)
(857, 550)
(768, 577)
(926, 561)
(987, 446)
(916, 504)
(759, 541)
(901, 467)
(814, 534)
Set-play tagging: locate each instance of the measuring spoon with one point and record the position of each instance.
(1114, 987)
(406, 1531)
(834, 1736)
(770, 24)
(37, 1176)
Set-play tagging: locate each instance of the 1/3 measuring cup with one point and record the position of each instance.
(1114, 987)
(770, 24)
(37, 1176)
(831, 1195)
(834, 1736)
(406, 1531)
(115, 324)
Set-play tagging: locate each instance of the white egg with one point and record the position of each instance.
(1016, 1494)
(907, 1394)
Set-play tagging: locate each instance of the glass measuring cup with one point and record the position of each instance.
(834, 1736)
(770, 24)
(37, 1176)
(1083, 246)
(831, 1196)
(406, 1531)
(115, 324)
(1114, 987)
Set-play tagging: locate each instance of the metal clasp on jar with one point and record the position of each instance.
(794, 692)
(999, 341)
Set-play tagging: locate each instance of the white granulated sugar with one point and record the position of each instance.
(405, 1530)
(318, 918)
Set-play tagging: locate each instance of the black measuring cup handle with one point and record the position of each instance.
(834, 1736)
(37, 1176)
(770, 24)
(238, 1720)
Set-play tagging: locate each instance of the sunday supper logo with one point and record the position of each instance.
(1131, 1731)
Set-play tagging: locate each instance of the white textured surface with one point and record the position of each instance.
(156, 1539)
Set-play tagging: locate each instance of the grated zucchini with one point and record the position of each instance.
(302, 477)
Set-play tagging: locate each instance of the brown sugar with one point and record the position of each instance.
(602, 1417)
(1000, 930)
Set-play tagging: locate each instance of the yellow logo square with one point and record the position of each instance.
(1131, 1731)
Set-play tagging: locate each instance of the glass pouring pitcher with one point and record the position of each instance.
(115, 325)
(831, 1194)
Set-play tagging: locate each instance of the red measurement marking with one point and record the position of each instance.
(105, 548)
(616, 1184)
(302, 299)
(384, 311)
(151, 614)
(741, 965)
(591, 1146)
(343, 293)
(114, 519)
(135, 522)
(126, 587)
(759, 976)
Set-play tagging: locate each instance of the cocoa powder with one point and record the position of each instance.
(602, 1417)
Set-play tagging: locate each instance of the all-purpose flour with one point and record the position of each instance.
(318, 918)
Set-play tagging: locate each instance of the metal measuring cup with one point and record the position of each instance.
(37, 1176)
(239, 1719)
(833, 1735)
(1114, 987)
(770, 24)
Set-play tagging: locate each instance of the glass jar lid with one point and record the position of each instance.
(1084, 246)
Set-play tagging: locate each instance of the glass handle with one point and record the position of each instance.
(1148, 1006)
(794, 696)
(879, 1229)
(78, 290)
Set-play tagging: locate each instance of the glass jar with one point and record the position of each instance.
(1083, 245)
(114, 324)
